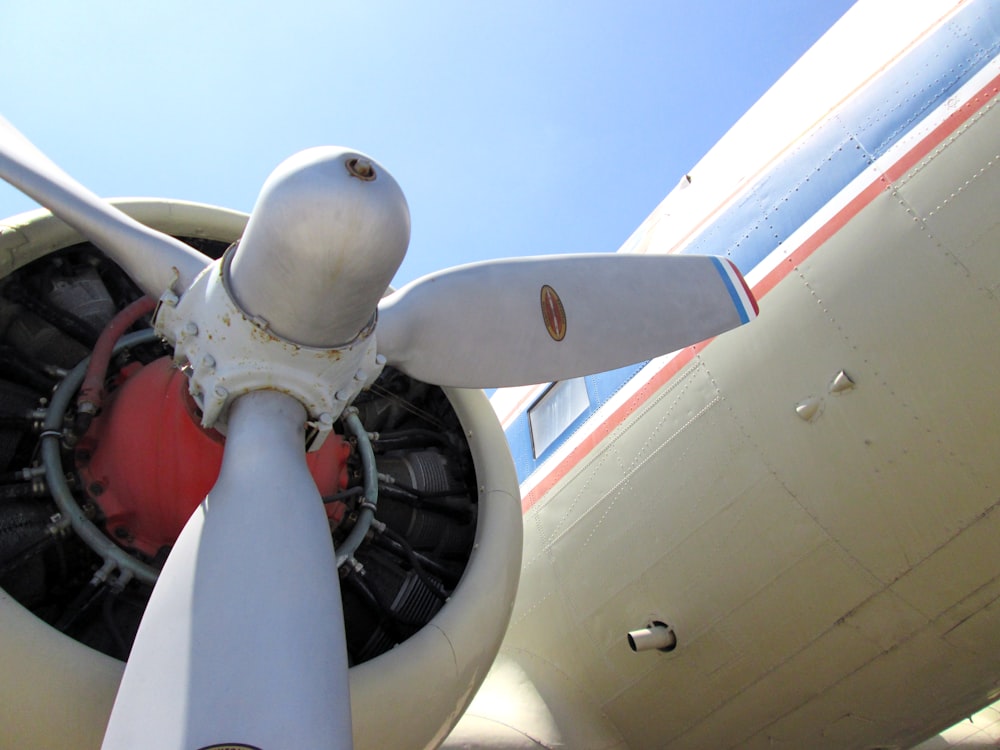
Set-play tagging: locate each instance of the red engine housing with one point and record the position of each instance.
(147, 462)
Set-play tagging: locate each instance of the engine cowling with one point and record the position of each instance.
(450, 502)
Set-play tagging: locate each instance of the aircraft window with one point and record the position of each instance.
(561, 405)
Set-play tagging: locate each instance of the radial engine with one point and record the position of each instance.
(103, 459)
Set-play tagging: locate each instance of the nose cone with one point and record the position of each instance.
(328, 231)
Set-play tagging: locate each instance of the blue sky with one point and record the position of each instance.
(514, 128)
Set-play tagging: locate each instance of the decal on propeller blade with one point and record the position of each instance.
(553, 313)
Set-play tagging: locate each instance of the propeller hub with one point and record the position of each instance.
(227, 353)
(324, 240)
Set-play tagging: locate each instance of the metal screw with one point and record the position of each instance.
(361, 168)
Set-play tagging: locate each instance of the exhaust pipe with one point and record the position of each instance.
(656, 635)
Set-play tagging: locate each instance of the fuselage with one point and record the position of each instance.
(810, 502)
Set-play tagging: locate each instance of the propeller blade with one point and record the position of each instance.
(536, 320)
(242, 643)
(153, 260)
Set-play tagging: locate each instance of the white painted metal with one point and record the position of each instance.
(230, 354)
(243, 638)
(54, 692)
(445, 663)
(155, 261)
(526, 704)
(28, 236)
(326, 235)
(616, 310)
(657, 636)
(977, 732)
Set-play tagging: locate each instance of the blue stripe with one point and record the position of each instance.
(871, 123)
(733, 292)
(600, 388)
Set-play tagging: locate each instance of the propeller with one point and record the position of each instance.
(155, 261)
(536, 320)
(253, 564)
(212, 664)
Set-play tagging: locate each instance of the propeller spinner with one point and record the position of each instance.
(285, 330)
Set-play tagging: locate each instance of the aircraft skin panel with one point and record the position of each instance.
(833, 542)
(763, 276)
(922, 440)
(958, 224)
(756, 225)
(884, 511)
(847, 113)
(824, 547)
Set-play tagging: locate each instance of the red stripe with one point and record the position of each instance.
(746, 288)
(660, 378)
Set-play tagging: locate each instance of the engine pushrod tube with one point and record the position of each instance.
(52, 461)
(367, 514)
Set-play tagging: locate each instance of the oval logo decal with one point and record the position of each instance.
(553, 313)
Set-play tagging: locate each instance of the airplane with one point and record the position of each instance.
(781, 537)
